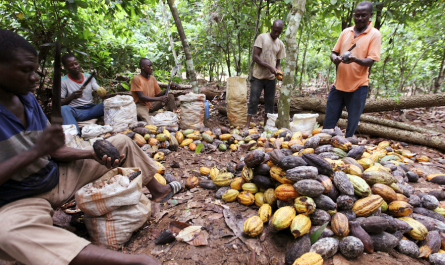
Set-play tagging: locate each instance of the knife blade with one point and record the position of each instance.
(56, 112)
(175, 68)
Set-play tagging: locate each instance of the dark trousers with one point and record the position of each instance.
(256, 87)
(354, 102)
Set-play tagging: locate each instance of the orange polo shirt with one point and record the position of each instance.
(352, 76)
(149, 88)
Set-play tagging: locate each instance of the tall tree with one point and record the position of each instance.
(293, 18)
(185, 45)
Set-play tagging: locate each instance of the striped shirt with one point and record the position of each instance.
(40, 176)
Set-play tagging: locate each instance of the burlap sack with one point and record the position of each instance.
(236, 100)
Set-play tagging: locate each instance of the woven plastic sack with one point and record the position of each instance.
(236, 100)
(97, 202)
(192, 111)
(113, 212)
(303, 123)
(166, 118)
(270, 124)
(119, 111)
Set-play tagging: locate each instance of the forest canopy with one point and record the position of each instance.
(111, 36)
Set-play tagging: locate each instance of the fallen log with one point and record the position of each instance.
(181, 87)
(298, 104)
(433, 141)
(210, 93)
(395, 124)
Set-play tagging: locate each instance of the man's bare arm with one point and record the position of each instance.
(335, 58)
(149, 99)
(256, 58)
(51, 139)
(368, 62)
(278, 65)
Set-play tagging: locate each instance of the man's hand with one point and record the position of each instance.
(174, 85)
(273, 70)
(77, 94)
(51, 139)
(336, 59)
(352, 59)
(106, 161)
(163, 99)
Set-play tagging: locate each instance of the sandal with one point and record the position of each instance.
(176, 187)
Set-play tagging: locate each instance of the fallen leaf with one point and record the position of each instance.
(188, 233)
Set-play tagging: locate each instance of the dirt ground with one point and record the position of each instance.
(225, 245)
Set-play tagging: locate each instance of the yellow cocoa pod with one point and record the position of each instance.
(223, 179)
(101, 91)
(283, 217)
(225, 136)
(419, 232)
(253, 226)
(259, 199)
(179, 137)
(214, 172)
(159, 156)
(265, 212)
(230, 195)
(139, 139)
(167, 133)
(366, 206)
(160, 179)
(161, 168)
(309, 258)
(400, 208)
(237, 183)
(246, 198)
(233, 147)
(194, 136)
(153, 129)
(250, 187)
(204, 170)
(270, 197)
(300, 225)
(186, 142)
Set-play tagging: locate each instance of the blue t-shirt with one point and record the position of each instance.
(40, 176)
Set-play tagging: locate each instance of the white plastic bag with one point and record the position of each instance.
(270, 125)
(94, 130)
(166, 118)
(237, 100)
(114, 211)
(71, 138)
(303, 123)
(119, 111)
(192, 111)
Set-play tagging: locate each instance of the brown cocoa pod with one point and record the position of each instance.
(297, 248)
(384, 242)
(340, 224)
(360, 233)
(254, 158)
(240, 166)
(327, 232)
(104, 148)
(374, 224)
(430, 245)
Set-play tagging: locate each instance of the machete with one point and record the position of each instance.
(171, 78)
(56, 113)
(88, 81)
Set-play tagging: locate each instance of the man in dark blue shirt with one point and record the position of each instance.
(38, 173)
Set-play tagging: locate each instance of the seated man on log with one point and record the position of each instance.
(350, 88)
(147, 94)
(76, 97)
(267, 53)
(38, 173)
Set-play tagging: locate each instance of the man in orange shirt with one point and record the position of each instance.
(146, 92)
(351, 84)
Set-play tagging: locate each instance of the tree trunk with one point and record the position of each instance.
(170, 38)
(433, 141)
(304, 60)
(395, 124)
(257, 23)
(294, 18)
(440, 78)
(298, 104)
(298, 48)
(185, 45)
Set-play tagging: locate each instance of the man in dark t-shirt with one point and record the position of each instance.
(38, 173)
